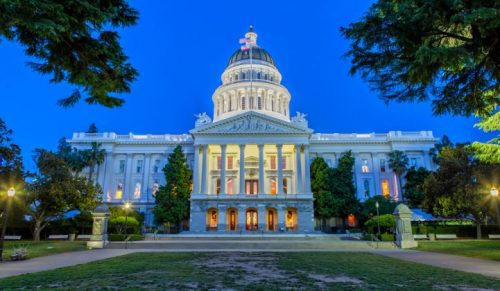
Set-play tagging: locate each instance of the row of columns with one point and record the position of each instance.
(301, 187)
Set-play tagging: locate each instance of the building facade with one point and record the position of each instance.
(251, 161)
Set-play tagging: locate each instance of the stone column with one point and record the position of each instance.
(281, 219)
(279, 163)
(242, 169)
(99, 238)
(307, 176)
(223, 169)
(298, 171)
(404, 236)
(145, 177)
(261, 169)
(221, 223)
(196, 180)
(127, 186)
(262, 217)
(204, 170)
(108, 176)
(242, 214)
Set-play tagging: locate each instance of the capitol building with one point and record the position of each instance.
(251, 159)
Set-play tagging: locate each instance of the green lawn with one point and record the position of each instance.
(478, 249)
(255, 271)
(43, 248)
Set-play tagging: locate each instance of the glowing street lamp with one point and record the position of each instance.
(494, 194)
(10, 193)
(378, 217)
(127, 207)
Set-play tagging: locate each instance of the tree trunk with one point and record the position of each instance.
(478, 230)
(97, 176)
(91, 171)
(39, 226)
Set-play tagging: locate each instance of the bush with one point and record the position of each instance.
(122, 237)
(118, 224)
(386, 222)
(387, 237)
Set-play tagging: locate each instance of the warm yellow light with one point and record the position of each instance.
(127, 205)
(494, 191)
(11, 192)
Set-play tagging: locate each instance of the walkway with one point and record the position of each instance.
(465, 264)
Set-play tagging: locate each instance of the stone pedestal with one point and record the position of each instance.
(99, 238)
(404, 235)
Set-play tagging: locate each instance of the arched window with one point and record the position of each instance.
(265, 77)
(259, 103)
(272, 104)
(243, 101)
(243, 76)
(230, 103)
(258, 75)
(250, 102)
(236, 77)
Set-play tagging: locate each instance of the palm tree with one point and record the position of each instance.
(398, 162)
(94, 156)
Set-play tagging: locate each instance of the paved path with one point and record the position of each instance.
(471, 265)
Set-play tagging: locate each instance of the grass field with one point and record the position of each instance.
(478, 249)
(256, 271)
(43, 248)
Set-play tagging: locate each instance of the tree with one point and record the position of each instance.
(92, 128)
(489, 152)
(414, 50)
(386, 222)
(76, 42)
(55, 190)
(343, 189)
(76, 159)
(398, 163)
(172, 199)
(458, 189)
(414, 187)
(368, 209)
(94, 156)
(321, 188)
(434, 152)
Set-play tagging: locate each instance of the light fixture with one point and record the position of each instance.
(494, 191)
(11, 192)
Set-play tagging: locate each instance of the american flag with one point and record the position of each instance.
(246, 41)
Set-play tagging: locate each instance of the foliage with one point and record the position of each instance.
(489, 152)
(76, 42)
(122, 237)
(414, 187)
(94, 157)
(121, 223)
(413, 50)
(55, 190)
(460, 187)
(76, 159)
(368, 209)
(434, 152)
(115, 212)
(398, 162)
(385, 220)
(342, 187)
(11, 175)
(320, 186)
(172, 199)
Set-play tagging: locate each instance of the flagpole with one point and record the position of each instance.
(251, 76)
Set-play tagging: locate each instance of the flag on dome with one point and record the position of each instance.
(246, 41)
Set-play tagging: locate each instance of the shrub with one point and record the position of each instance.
(387, 237)
(122, 237)
(118, 224)
(386, 222)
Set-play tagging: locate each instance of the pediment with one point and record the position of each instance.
(251, 123)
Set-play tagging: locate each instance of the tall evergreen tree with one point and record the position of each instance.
(94, 157)
(76, 42)
(172, 199)
(343, 188)
(321, 188)
(398, 162)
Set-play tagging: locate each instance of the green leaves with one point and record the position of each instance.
(73, 42)
(440, 50)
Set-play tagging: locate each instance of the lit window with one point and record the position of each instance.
(243, 105)
(283, 163)
(138, 168)
(364, 166)
(230, 186)
(219, 161)
(155, 187)
(285, 185)
(385, 188)
(137, 190)
(382, 165)
(212, 218)
(273, 186)
(229, 162)
(121, 168)
(217, 186)
(366, 188)
(351, 220)
(156, 166)
(273, 162)
(119, 191)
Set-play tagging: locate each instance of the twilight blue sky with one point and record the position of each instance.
(181, 48)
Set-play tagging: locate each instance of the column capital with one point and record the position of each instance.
(279, 146)
(260, 145)
(223, 146)
(242, 146)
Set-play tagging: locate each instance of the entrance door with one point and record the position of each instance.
(252, 222)
(270, 220)
(232, 220)
(251, 187)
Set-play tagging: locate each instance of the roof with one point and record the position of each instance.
(258, 53)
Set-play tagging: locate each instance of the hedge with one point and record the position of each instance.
(121, 237)
(460, 230)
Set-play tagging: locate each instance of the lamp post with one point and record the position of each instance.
(10, 193)
(378, 218)
(127, 207)
(494, 193)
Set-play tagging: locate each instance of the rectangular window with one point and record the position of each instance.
(285, 185)
(385, 188)
(230, 186)
(366, 188)
(382, 165)
(219, 161)
(217, 186)
(230, 162)
(273, 186)
(156, 167)
(364, 166)
(273, 162)
(138, 167)
(283, 163)
(121, 168)
(119, 191)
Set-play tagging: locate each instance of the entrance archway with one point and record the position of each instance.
(232, 219)
(252, 222)
(272, 224)
(291, 219)
(212, 218)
